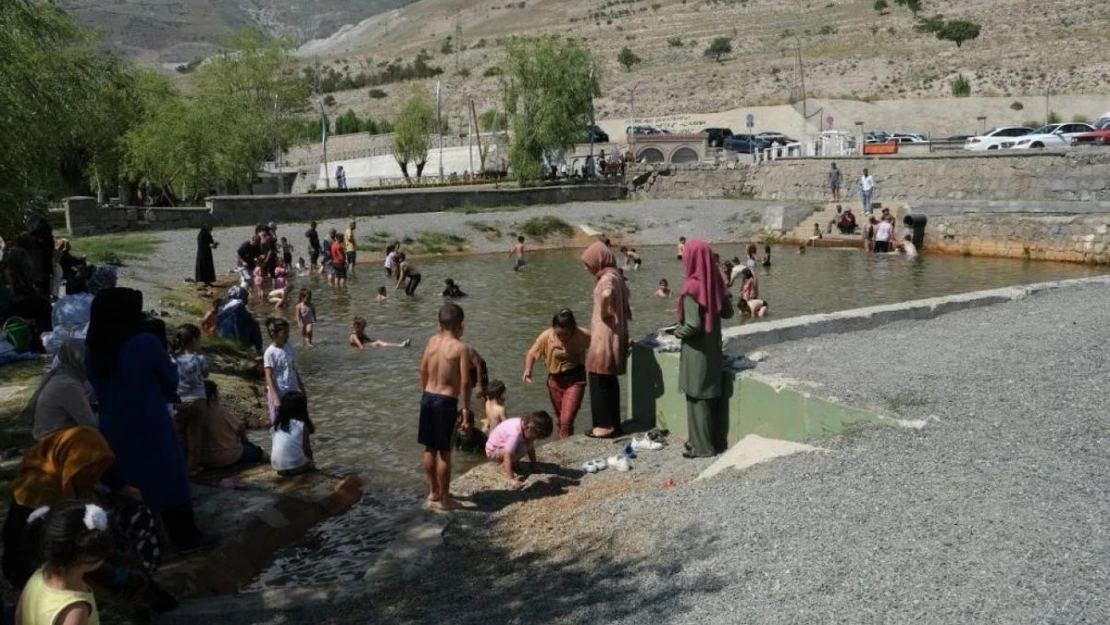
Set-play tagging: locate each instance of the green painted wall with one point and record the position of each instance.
(754, 407)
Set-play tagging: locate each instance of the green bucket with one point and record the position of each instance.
(18, 333)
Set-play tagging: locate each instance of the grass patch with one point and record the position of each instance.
(905, 399)
(489, 231)
(540, 228)
(190, 306)
(438, 243)
(14, 432)
(114, 249)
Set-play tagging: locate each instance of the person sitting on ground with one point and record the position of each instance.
(359, 339)
(908, 247)
(292, 444)
(235, 321)
(816, 234)
(835, 221)
(495, 405)
(61, 400)
(452, 290)
(847, 222)
(513, 438)
(78, 464)
(664, 289)
(752, 307)
(224, 437)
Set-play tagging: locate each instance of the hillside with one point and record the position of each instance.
(848, 51)
(178, 31)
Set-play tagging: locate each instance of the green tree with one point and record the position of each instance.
(348, 123)
(958, 31)
(412, 132)
(547, 87)
(881, 6)
(492, 120)
(628, 58)
(718, 48)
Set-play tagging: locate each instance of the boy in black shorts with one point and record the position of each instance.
(445, 379)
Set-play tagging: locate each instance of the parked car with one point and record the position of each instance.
(1099, 136)
(746, 144)
(995, 137)
(715, 137)
(594, 134)
(875, 136)
(643, 129)
(775, 137)
(1050, 136)
(960, 138)
(907, 137)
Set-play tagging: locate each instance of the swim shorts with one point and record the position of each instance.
(520, 262)
(338, 271)
(351, 257)
(438, 415)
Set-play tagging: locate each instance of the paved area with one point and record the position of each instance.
(996, 511)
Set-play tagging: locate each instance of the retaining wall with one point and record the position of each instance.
(84, 216)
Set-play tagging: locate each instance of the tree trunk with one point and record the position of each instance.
(404, 169)
(420, 169)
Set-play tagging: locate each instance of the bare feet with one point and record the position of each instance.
(448, 503)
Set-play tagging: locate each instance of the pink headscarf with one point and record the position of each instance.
(703, 282)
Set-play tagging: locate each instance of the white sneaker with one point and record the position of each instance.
(615, 460)
(646, 444)
(623, 464)
(589, 466)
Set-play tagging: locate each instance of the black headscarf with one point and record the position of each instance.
(117, 315)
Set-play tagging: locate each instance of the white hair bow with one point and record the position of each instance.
(38, 513)
(95, 517)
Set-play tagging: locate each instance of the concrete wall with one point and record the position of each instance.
(1051, 176)
(84, 216)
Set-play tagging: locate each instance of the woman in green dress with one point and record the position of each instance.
(703, 302)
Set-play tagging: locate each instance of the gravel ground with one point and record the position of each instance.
(996, 512)
(648, 222)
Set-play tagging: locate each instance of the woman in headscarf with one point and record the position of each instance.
(205, 268)
(61, 400)
(135, 381)
(703, 302)
(234, 320)
(608, 353)
(70, 464)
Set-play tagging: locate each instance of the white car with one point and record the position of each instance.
(995, 137)
(907, 137)
(1050, 136)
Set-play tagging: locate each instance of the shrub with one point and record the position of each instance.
(1016, 106)
(827, 30)
(329, 100)
(656, 6)
(628, 58)
(675, 42)
(718, 48)
(961, 86)
(377, 94)
(881, 6)
(492, 70)
(542, 227)
(447, 48)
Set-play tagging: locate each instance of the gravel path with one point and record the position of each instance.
(647, 222)
(996, 512)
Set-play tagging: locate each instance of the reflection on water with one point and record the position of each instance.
(365, 404)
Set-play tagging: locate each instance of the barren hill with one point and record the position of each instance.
(847, 50)
(178, 31)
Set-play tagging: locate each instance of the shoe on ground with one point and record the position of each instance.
(646, 444)
(623, 464)
(589, 466)
(615, 460)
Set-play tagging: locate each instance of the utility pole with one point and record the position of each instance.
(439, 128)
(632, 122)
(323, 125)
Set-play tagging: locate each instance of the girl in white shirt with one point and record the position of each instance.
(291, 453)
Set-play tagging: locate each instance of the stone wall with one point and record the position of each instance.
(1071, 175)
(1070, 238)
(84, 216)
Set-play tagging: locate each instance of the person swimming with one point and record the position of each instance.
(452, 290)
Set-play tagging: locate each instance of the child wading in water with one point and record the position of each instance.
(445, 380)
(516, 437)
(681, 247)
(452, 290)
(517, 254)
(192, 412)
(292, 445)
(282, 377)
(495, 405)
(306, 316)
(75, 540)
(664, 289)
(359, 339)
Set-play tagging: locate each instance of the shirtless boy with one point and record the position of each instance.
(517, 254)
(445, 378)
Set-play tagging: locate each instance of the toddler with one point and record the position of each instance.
(382, 296)
(495, 404)
(664, 289)
(302, 267)
(752, 307)
(359, 339)
(259, 279)
(192, 412)
(514, 438)
(281, 273)
(291, 452)
(306, 316)
(75, 540)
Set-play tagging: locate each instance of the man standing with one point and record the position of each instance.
(834, 183)
(313, 244)
(349, 246)
(883, 233)
(866, 187)
(341, 178)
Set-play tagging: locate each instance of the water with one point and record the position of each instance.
(365, 403)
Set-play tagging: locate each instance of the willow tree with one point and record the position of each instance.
(412, 133)
(548, 85)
